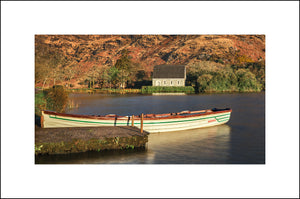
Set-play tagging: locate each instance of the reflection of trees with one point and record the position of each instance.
(72, 104)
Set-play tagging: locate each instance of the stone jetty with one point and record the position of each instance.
(82, 139)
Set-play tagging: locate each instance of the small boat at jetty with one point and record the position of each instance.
(151, 123)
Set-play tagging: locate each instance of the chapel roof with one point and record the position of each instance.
(169, 71)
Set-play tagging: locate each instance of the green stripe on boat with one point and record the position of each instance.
(55, 117)
(222, 117)
(223, 120)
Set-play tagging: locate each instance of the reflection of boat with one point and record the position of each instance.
(177, 138)
(151, 122)
(202, 145)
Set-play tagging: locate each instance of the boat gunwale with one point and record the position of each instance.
(175, 116)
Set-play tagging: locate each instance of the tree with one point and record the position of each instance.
(91, 76)
(48, 64)
(93, 72)
(103, 76)
(204, 81)
(247, 81)
(69, 73)
(113, 74)
(140, 75)
(124, 65)
(42, 64)
(41, 72)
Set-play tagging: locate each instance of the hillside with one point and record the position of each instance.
(80, 53)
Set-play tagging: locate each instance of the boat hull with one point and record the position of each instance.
(151, 125)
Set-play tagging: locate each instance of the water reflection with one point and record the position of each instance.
(72, 104)
(186, 136)
(209, 145)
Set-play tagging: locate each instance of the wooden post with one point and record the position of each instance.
(142, 118)
(132, 120)
(42, 119)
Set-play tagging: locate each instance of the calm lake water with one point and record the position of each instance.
(240, 141)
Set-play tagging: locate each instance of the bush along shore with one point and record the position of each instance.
(56, 98)
(74, 140)
(167, 89)
(209, 77)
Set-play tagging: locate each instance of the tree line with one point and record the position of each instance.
(205, 76)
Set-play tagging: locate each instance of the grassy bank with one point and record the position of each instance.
(167, 89)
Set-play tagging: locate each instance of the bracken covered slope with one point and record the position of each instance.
(85, 51)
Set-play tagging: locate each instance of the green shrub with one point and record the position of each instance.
(168, 89)
(221, 80)
(247, 81)
(215, 77)
(56, 98)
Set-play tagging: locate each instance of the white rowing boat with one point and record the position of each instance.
(151, 122)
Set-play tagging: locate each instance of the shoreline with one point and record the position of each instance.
(139, 91)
